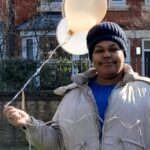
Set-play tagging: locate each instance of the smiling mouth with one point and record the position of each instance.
(107, 63)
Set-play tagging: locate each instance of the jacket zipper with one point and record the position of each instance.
(95, 109)
(105, 115)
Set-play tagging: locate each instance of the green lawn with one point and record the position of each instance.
(24, 148)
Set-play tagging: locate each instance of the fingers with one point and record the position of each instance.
(7, 110)
(15, 116)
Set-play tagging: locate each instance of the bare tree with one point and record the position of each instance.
(10, 28)
(140, 20)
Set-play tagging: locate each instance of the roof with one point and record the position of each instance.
(42, 22)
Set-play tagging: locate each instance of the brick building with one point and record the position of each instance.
(132, 15)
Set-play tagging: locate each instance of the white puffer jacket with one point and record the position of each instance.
(76, 123)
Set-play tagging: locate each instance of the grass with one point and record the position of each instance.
(23, 148)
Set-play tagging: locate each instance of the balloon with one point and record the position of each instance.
(81, 15)
(76, 44)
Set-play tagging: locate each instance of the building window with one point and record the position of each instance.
(127, 60)
(47, 45)
(117, 5)
(48, 6)
(147, 2)
(29, 45)
(146, 44)
(146, 6)
(29, 48)
(117, 2)
(146, 57)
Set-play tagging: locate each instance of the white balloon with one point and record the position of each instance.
(81, 15)
(76, 44)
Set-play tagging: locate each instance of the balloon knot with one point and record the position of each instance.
(70, 32)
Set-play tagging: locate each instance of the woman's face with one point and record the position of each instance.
(108, 59)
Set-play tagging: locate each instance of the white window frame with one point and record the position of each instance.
(147, 2)
(117, 6)
(24, 48)
(114, 3)
(146, 6)
(46, 6)
(29, 35)
(128, 57)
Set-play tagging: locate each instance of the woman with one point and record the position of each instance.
(106, 108)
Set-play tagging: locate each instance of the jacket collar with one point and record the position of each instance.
(83, 78)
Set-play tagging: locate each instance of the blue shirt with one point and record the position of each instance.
(101, 94)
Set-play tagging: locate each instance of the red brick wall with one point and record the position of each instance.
(3, 9)
(24, 9)
(136, 61)
(126, 18)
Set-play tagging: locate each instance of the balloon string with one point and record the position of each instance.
(38, 70)
(23, 101)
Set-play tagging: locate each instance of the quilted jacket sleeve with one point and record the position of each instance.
(44, 137)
